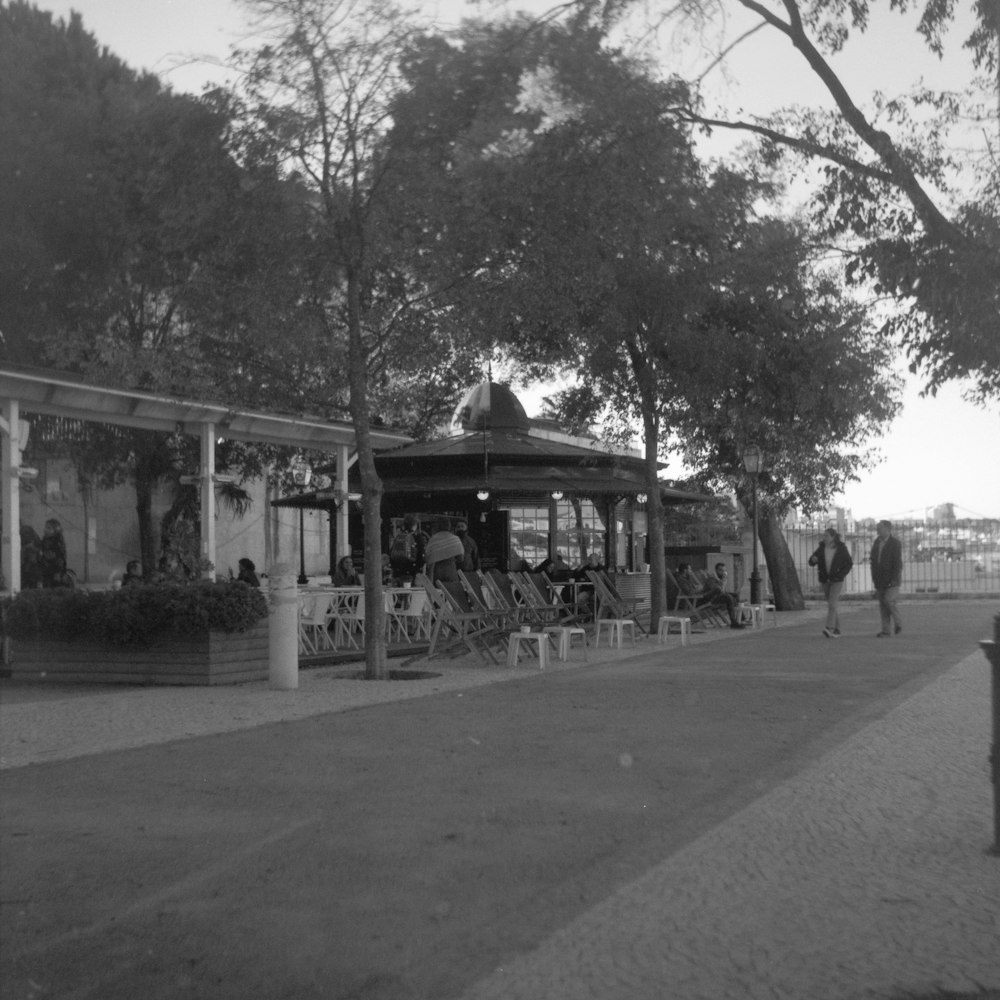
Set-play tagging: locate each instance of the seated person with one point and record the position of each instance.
(545, 566)
(686, 582)
(585, 595)
(715, 590)
(561, 569)
(248, 572)
(345, 575)
(133, 573)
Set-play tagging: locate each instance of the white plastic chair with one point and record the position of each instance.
(349, 618)
(314, 635)
(415, 617)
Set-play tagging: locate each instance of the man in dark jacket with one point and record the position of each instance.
(715, 590)
(887, 577)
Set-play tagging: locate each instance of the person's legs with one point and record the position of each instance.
(891, 616)
(883, 610)
(731, 605)
(833, 605)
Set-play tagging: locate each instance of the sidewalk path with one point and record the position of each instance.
(874, 855)
(761, 815)
(41, 723)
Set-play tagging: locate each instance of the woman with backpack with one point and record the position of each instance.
(406, 551)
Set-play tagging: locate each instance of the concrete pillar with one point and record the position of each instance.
(283, 640)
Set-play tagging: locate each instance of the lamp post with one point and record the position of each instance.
(752, 461)
(301, 476)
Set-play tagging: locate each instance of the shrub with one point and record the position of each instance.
(136, 615)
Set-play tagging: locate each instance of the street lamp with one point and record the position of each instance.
(753, 462)
(301, 475)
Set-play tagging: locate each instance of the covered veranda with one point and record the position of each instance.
(24, 392)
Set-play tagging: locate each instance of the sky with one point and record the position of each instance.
(940, 450)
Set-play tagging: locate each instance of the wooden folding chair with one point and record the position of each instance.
(457, 627)
(568, 614)
(611, 604)
(541, 611)
(503, 615)
(694, 606)
(502, 592)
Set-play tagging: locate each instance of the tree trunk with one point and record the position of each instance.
(371, 489)
(654, 527)
(780, 567)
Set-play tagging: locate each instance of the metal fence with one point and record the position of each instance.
(958, 558)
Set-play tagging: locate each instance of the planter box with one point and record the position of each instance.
(209, 658)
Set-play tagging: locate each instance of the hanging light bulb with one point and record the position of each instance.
(483, 495)
(557, 495)
(640, 497)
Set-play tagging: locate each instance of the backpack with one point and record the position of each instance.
(403, 549)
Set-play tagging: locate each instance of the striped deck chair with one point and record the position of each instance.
(454, 626)
(506, 617)
(568, 614)
(610, 603)
(694, 606)
(543, 611)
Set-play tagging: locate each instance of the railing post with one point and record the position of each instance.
(992, 650)
(283, 638)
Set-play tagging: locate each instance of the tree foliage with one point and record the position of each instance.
(609, 251)
(888, 189)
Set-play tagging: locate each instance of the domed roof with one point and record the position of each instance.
(489, 407)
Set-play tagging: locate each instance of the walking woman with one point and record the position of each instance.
(833, 559)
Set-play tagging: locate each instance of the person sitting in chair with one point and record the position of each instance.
(715, 590)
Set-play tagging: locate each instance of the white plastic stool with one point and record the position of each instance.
(754, 613)
(514, 647)
(616, 630)
(664, 628)
(565, 635)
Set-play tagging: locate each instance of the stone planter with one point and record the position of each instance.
(208, 658)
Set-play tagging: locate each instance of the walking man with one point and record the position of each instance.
(887, 576)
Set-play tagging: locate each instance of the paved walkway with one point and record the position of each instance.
(874, 855)
(866, 875)
(41, 722)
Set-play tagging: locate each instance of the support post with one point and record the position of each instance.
(755, 571)
(11, 498)
(992, 650)
(283, 631)
(343, 542)
(207, 472)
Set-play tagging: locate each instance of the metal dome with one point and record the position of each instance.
(489, 406)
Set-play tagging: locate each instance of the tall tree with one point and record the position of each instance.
(317, 90)
(614, 255)
(131, 237)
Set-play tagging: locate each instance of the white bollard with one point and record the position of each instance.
(283, 641)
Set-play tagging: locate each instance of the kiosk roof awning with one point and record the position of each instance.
(61, 395)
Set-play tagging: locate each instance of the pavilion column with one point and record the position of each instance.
(10, 425)
(343, 542)
(207, 476)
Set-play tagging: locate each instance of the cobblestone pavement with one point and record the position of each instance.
(41, 722)
(865, 875)
(875, 855)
